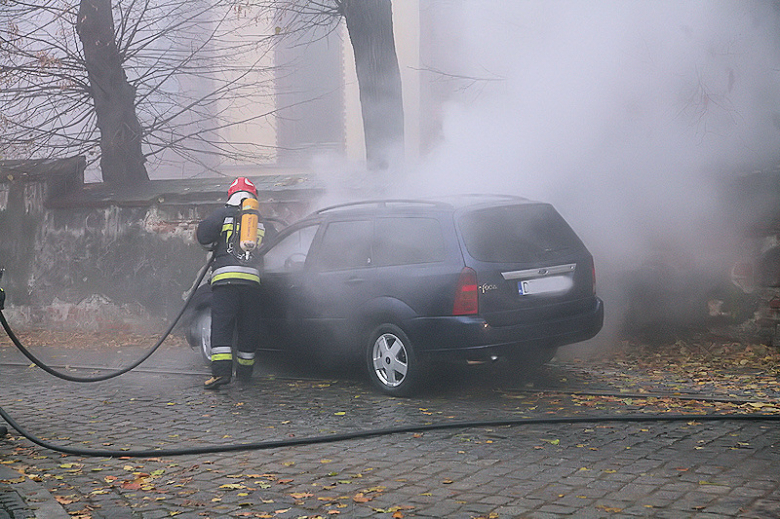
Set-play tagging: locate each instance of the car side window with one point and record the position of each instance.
(346, 245)
(407, 241)
(289, 255)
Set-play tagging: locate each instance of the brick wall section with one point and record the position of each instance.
(96, 257)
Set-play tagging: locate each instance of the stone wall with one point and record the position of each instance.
(96, 257)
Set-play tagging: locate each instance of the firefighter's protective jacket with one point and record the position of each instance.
(232, 265)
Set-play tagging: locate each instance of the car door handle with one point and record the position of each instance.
(353, 281)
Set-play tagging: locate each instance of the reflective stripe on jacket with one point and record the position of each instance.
(235, 274)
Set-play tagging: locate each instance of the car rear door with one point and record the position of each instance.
(415, 264)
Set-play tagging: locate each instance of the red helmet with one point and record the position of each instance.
(242, 184)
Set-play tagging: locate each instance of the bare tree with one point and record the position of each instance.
(152, 80)
(160, 80)
(121, 159)
(370, 27)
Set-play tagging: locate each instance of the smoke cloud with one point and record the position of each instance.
(627, 115)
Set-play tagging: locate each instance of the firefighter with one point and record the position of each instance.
(235, 282)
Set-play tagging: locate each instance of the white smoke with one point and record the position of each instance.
(626, 115)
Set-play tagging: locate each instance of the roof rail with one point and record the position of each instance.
(486, 196)
(381, 203)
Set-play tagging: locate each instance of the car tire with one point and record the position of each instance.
(393, 365)
(199, 332)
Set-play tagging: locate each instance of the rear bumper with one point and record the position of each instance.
(471, 337)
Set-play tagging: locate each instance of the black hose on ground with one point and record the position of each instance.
(64, 376)
(332, 438)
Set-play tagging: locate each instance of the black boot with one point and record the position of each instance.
(216, 382)
(244, 373)
(221, 371)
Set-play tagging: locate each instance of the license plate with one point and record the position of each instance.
(545, 285)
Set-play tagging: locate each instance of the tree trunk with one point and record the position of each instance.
(121, 160)
(370, 26)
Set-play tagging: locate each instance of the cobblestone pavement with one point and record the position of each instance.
(688, 468)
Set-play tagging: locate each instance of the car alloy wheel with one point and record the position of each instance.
(392, 364)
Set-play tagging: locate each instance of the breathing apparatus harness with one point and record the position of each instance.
(241, 238)
(250, 212)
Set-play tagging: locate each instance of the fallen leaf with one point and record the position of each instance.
(232, 486)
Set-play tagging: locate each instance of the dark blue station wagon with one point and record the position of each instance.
(406, 284)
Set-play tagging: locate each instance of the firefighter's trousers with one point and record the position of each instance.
(234, 309)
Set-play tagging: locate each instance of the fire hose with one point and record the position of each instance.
(370, 433)
(311, 440)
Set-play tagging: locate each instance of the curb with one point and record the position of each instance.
(16, 490)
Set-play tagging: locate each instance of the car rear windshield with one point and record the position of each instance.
(517, 234)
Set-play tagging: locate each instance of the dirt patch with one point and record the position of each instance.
(713, 353)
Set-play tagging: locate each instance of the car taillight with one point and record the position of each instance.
(466, 297)
(774, 304)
